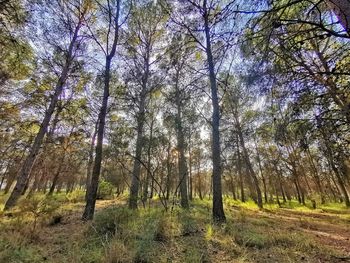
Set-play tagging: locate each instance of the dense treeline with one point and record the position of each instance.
(176, 99)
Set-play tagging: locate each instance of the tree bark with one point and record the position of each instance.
(149, 168)
(168, 169)
(92, 190)
(135, 181)
(218, 208)
(57, 174)
(261, 170)
(190, 179)
(248, 163)
(239, 169)
(91, 160)
(182, 166)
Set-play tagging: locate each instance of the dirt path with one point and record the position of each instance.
(327, 229)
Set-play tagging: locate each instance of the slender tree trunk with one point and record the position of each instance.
(190, 179)
(92, 190)
(2, 181)
(279, 176)
(91, 160)
(239, 168)
(91, 194)
(135, 181)
(168, 167)
(149, 168)
(218, 208)
(248, 163)
(297, 189)
(182, 166)
(24, 173)
(233, 187)
(35, 185)
(341, 184)
(330, 157)
(57, 174)
(199, 177)
(261, 170)
(339, 193)
(316, 176)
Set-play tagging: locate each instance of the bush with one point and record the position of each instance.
(18, 252)
(188, 224)
(117, 252)
(250, 238)
(76, 196)
(105, 190)
(111, 220)
(38, 207)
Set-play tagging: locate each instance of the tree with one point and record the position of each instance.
(76, 15)
(145, 32)
(109, 51)
(203, 27)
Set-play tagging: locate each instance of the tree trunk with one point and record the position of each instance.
(315, 175)
(279, 176)
(149, 168)
(218, 208)
(182, 166)
(330, 157)
(92, 190)
(91, 194)
(239, 168)
(35, 185)
(24, 173)
(91, 159)
(261, 170)
(190, 179)
(168, 168)
(135, 181)
(248, 163)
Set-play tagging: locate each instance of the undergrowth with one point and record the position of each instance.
(118, 234)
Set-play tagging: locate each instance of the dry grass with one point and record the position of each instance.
(152, 235)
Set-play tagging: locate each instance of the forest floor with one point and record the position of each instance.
(290, 234)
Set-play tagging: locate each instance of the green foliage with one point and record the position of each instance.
(117, 252)
(111, 221)
(105, 190)
(250, 238)
(76, 195)
(38, 207)
(194, 255)
(188, 224)
(13, 252)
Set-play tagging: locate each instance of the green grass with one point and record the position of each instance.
(118, 234)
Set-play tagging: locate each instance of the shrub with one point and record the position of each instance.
(249, 238)
(38, 207)
(193, 255)
(105, 190)
(76, 196)
(117, 252)
(188, 224)
(111, 220)
(18, 252)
